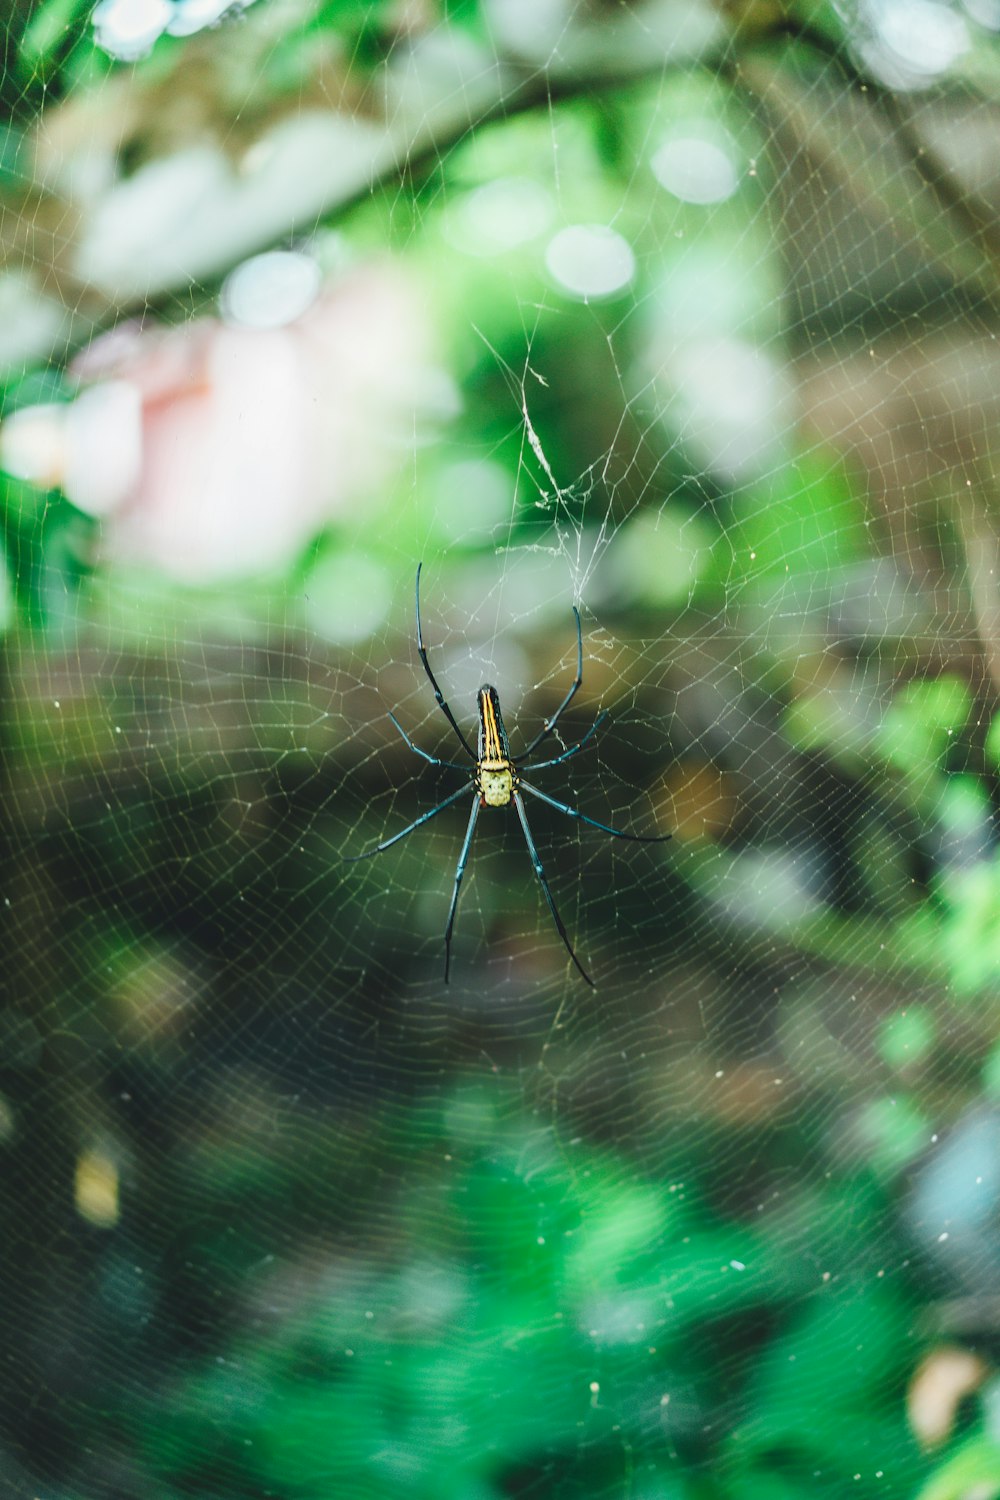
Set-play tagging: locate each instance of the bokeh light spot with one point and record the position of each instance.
(270, 290)
(914, 41)
(127, 29)
(499, 216)
(347, 597)
(96, 1188)
(590, 260)
(193, 15)
(696, 170)
(472, 498)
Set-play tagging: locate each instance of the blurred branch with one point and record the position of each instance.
(849, 142)
(147, 187)
(955, 196)
(229, 175)
(980, 536)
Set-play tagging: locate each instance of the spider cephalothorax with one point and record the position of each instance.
(497, 782)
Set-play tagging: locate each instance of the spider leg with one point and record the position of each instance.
(537, 864)
(571, 812)
(463, 860)
(424, 818)
(442, 705)
(550, 724)
(543, 765)
(452, 765)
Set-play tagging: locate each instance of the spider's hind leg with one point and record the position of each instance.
(546, 892)
(463, 860)
(572, 812)
(424, 818)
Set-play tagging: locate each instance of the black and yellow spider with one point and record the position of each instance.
(497, 782)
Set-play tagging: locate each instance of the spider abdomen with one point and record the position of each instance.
(495, 780)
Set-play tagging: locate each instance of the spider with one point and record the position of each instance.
(497, 781)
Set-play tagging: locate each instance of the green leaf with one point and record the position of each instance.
(661, 557)
(803, 519)
(894, 1131)
(993, 742)
(48, 29)
(971, 935)
(907, 1037)
(920, 723)
(973, 1470)
(630, 1222)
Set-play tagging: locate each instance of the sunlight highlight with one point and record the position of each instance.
(914, 42)
(590, 260)
(96, 1188)
(695, 170)
(270, 290)
(499, 216)
(128, 29)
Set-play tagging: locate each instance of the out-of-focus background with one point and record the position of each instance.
(683, 313)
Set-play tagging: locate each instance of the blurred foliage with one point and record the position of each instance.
(544, 1323)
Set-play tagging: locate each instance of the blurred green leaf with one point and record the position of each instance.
(991, 1073)
(626, 1223)
(971, 933)
(907, 1037)
(964, 806)
(830, 721)
(894, 1130)
(51, 24)
(427, 1370)
(973, 1471)
(921, 722)
(661, 558)
(993, 742)
(835, 1429)
(802, 519)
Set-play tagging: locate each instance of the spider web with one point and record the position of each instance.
(683, 315)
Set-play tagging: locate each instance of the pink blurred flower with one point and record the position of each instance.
(213, 451)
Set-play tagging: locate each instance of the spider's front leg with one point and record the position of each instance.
(550, 724)
(441, 700)
(453, 765)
